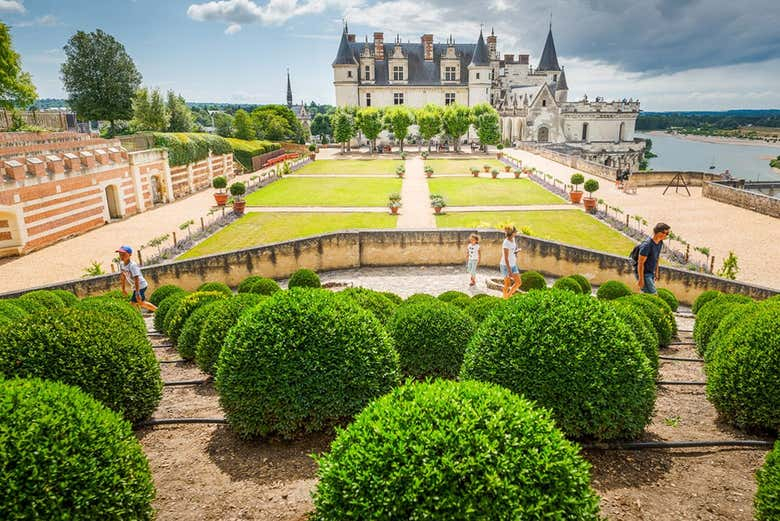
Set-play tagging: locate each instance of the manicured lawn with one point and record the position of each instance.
(463, 166)
(567, 226)
(350, 166)
(474, 191)
(316, 191)
(255, 229)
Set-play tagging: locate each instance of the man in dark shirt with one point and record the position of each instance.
(649, 252)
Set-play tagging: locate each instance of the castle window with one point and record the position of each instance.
(398, 73)
(449, 74)
(477, 76)
(349, 74)
(449, 98)
(584, 131)
(368, 72)
(555, 77)
(368, 99)
(544, 103)
(398, 98)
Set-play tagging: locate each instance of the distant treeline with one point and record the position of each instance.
(726, 120)
(230, 108)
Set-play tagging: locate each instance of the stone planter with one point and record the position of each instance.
(590, 204)
(575, 196)
(238, 207)
(221, 198)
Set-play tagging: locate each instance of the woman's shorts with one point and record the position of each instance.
(505, 270)
(471, 267)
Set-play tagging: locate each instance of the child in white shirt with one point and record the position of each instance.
(474, 256)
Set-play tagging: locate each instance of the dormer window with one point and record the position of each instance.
(368, 72)
(449, 74)
(398, 73)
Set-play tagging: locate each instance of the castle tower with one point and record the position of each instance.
(345, 73)
(549, 60)
(479, 73)
(561, 88)
(289, 90)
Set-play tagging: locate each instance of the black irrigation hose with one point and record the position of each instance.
(176, 421)
(681, 344)
(186, 382)
(640, 445)
(161, 346)
(681, 359)
(173, 361)
(685, 330)
(659, 382)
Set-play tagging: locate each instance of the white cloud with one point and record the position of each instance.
(48, 20)
(232, 29)
(11, 6)
(275, 12)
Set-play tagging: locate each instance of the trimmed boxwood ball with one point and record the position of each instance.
(656, 317)
(176, 319)
(66, 456)
(640, 325)
(9, 313)
(668, 297)
(583, 282)
(304, 278)
(479, 309)
(571, 354)
(532, 280)
(188, 340)
(451, 295)
(103, 356)
(122, 311)
(731, 320)
(567, 284)
(165, 307)
(44, 297)
(420, 297)
(116, 293)
(164, 292)
(372, 301)
(767, 500)
(460, 302)
(216, 286)
(665, 309)
(430, 338)
(392, 297)
(27, 305)
(709, 317)
(703, 298)
(223, 314)
(613, 289)
(260, 285)
(480, 295)
(743, 369)
(444, 449)
(67, 298)
(245, 284)
(302, 360)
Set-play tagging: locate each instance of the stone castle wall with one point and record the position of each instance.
(743, 198)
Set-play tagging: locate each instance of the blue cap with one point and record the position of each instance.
(125, 249)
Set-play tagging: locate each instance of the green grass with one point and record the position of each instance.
(472, 191)
(255, 229)
(300, 191)
(350, 166)
(567, 226)
(463, 166)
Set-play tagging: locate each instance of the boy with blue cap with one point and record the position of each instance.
(130, 273)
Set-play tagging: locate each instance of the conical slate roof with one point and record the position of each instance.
(344, 55)
(481, 54)
(549, 61)
(562, 85)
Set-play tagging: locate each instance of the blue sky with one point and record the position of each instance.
(671, 54)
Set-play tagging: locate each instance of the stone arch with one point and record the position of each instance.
(543, 135)
(518, 130)
(157, 188)
(13, 235)
(112, 199)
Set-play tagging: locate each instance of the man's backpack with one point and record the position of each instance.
(634, 255)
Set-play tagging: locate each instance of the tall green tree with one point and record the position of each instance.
(429, 121)
(99, 76)
(343, 128)
(242, 124)
(455, 122)
(181, 119)
(320, 126)
(369, 121)
(277, 122)
(486, 121)
(149, 112)
(224, 124)
(158, 113)
(16, 87)
(398, 120)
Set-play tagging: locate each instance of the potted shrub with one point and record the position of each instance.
(428, 171)
(507, 168)
(500, 152)
(312, 151)
(237, 190)
(394, 205)
(220, 183)
(494, 173)
(403, 155)
(475, 171)
(517, 173)
(486, 168)
(400, 171)
(437, 202)
(591, 185)
(424, 154)
(576, 180)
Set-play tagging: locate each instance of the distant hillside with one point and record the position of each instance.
(709, 120)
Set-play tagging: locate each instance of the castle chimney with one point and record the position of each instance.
(522, 59)
(379, 46)
(491, 43)
(427, 43)
(351, 38)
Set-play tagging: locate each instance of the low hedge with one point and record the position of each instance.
(668, 297)
(46, 298)
(259, 285)
(767, 500)
(122, 311)
(656, 317)
(571, 354)
(216, 286)
(644, 331)
(29, 306)
(103, 356)
(419, 297)
(190, 147)
(9, 314)
(176, 319)
(302, 360)
(66, 456)
(431, 338)
(395, 299)
(480, 308)
(703, 298)
(447, 450)
(709, 317)
(244, 150)
(304, 278)
(613, 289)
(460, 302)
(187, 342)
(164, 309)
(223, 314)
(584, 283)
(67, 298)
(532, 280)
(732, 319)
(568, 284)
(372, 301)
(164, 292)
(451, 295)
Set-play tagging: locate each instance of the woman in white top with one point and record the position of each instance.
(508, 262)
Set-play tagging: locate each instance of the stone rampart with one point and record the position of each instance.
(743, 198)
(578, 163)
(655, 178)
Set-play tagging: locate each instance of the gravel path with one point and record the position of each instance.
(416, 212)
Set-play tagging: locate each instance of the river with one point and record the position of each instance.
(749, 162)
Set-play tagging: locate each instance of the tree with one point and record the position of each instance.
(223, 123)
(320, 126)
(181, 119)
(369, 120)
(100, 77)
(397, 120)
(16, 87)
(242, 123)
(277, 122)
(455, 122)
(429, 121)
(141, 117)
(343, 127)
(487, 122)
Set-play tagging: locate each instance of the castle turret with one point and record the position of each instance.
(561, 88)
(479, 73)
(345, 73)
(549, 60)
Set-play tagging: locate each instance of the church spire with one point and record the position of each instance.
(289, 90)
(549, 60)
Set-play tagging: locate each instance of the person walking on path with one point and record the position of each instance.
(130, 273)
(508, 264)
(474, 257)
(647, 259)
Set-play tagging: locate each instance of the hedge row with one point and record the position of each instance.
(244, 151)
(190, 147)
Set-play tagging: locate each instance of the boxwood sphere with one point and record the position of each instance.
(66, 456)
(710, 316)
(302, 360)
(223, 314)
(166, 306)
(176, 319)
(420, 297)
(569, 353)
(460, 302)
(259, 285)
(431, 338)
(27, 305)
(164, 292)
(583, 282)
(216, 286)
(656, 317)
(190, 332)
(567, 284)
(532, 280)
(245, 284)
(372, 301)
(44, 297)
(439, 450)
(668, 297)
(451, 295)
(640, 325)
(613, 289)
(304, 278)
(105, 357)
(123, 311)
(767, 501)
(9, 314)
(67, 298)
(480, 308)
(395, 299)
(664, 308)
(703, 298)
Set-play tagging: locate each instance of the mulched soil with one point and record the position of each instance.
(206, 472)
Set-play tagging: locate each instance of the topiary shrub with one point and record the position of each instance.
(67, 298)
(532, 280)
(583, 282)
(668, 297)
(164, 309)
(709, 317)
(431, 338)
(28, 306)
(223, 314)
(190, 332)
(304, 278)
(451, 295)
(66, 456)
(567, 284)
(460, 302)
(116, 293)
(246, 284)
(122, 311)
(742, 368)
(176, 319)
(372, 301)
(216, 286)
(103, 356)
(613, 289)
(767, 500)
(395, 299)
(571, 354)
(731, 320)
(665, 310)
(653, 314)
(164, 292)
(480, 308)
(420, 297)
(9, 314)
(429, 451)
(302, 360)
(703, 298)
(44, 297)
(644, 331)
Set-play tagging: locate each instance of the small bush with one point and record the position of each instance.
(567, 284)
(302, 360)
(165, 307)
(117, 294)
(163, 292)
(419, 297)
(571, 354)
(66, 456)
(532, 280)
(480, 308)
(216, 286)
(429, 451)
(67, 298)
(767, 501)
(27, 305)
(190, 332)
(94, 351)
(665, 309)
(613, 289)
(709, 317)
(654, 315)
(121, 310)
(10, 314)
(460, 302)
(583, 282)
(304, 278)
(729, 321)
(703, 298)
(223, 314)
(244, 150)
(176, 319)
(668, 297)
(395, 299)
(644, 331)
(246, 284)
(451, 295)
(44, 297)
(259, 285)
(372, 301)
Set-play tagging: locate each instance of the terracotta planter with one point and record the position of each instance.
(495, 176)
(238, 207)
(312, 156)
(576, 197)
(221, 198)
(590, 204)
(475, 174)
(486, 168)
(517, 175)
(400, 176)
(437, 209)
(428, 174)
(507, 168)
(394, 210)
(499, 155)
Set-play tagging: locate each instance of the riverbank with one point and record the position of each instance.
(714, 139)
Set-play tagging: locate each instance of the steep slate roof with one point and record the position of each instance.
(549, 61)
(481, 54)
(562, 85)
(346, 53)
